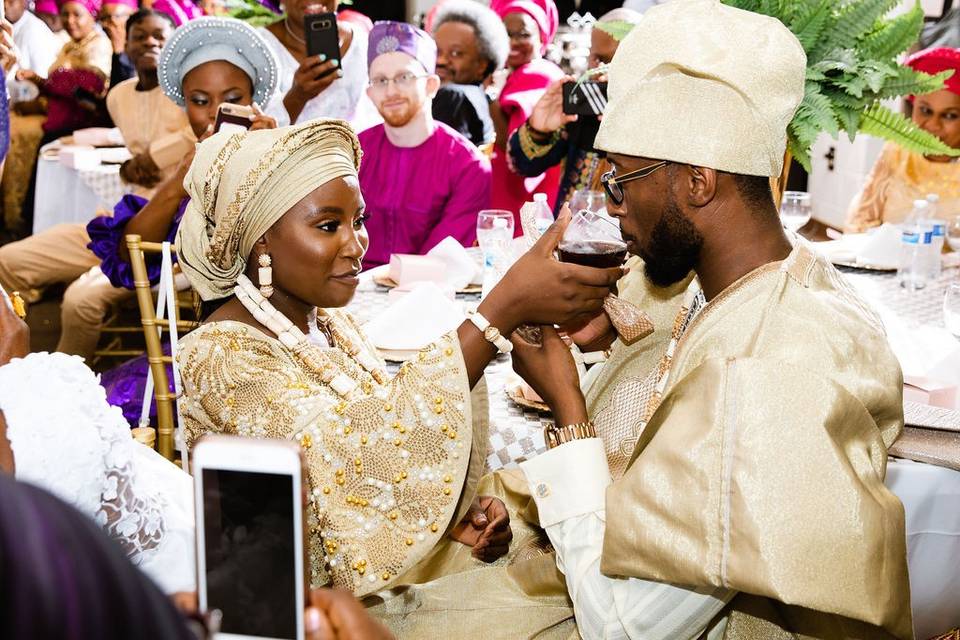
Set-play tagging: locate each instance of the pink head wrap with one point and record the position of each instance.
(46, 6)
(127, 3)
(92, 6)
(181, 11)
(934, 61)
(355, 17)
(543, 12)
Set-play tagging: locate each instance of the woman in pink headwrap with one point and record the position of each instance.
(531, 25)
(69, 100)
(899, 176)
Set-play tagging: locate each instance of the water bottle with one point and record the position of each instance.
(543, 215)
(933, 200)
(914, 268)
(494, 244)
(938, 229)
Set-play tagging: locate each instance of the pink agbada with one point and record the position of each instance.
(417, 196)
(524, 87)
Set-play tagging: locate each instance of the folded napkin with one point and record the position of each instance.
(879, 248)
(98, 137)
(415, 320)
(462, 268)
(405, 269)
(114, 155)
(79, 158)
(926, 353)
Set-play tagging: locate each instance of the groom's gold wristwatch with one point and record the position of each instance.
(556, 436)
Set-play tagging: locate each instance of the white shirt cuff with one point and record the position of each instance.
(568, 481)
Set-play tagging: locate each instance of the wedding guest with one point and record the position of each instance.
(36, 43)
(531, 25)
(183, 11)
(113, 20)
(48, 11)
(91, 257)
(899, 176)
(690, 512)
(69, 100)
(472, 43)
(422, 181)
(552, 138)
(272, 241)
(313, 87)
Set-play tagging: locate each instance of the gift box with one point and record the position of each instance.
(929, 391)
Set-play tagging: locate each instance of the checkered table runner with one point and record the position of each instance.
(516, 433)
(105, 182)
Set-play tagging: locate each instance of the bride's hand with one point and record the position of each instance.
(540, 290)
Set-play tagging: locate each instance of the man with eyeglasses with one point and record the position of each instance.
(421, 180)
(472, 43)
(732, 486)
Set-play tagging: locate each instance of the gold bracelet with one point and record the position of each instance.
(530, 147)
(556, 436)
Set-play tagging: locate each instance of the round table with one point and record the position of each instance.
(65, 195)
(929, 494)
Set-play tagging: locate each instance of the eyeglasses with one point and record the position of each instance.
(403, 81)
(611, 183)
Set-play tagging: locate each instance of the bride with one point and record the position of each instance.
(273, 241)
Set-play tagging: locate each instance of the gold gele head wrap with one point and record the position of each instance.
(701, 83)
(240, 184)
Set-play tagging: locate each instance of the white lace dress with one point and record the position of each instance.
(345, 99)
(69, 441)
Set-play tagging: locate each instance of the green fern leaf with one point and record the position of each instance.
(894, 37)
(849, 120)
(883, 123)
(837, 60)
(616, 29)
(746, 5)
(854, 20)
(852, 84)
(817, 109)
(809, 23)
(908, 82)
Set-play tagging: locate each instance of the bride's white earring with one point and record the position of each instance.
(265, 274)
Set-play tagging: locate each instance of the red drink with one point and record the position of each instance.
(594, 253)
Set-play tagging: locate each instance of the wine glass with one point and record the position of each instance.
(953, 233)
(795, 209)
(595, 201)
(951, 308)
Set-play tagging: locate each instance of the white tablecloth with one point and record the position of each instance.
(68, 195)
(931, 501)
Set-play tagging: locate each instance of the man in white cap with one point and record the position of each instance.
(736, 486)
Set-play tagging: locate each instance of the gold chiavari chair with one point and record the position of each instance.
(152, 329)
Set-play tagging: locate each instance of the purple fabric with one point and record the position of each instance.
(125, 383)
(64, 112)
(418, 196)
(4, 123)
(388, 36)
(108, 234)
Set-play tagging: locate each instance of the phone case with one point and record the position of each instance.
(322, 35)
(233, 119)
(589, 99)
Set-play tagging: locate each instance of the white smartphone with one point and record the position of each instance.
(250, 541)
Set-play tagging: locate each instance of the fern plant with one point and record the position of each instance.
(851, 52)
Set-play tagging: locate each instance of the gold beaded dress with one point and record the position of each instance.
(392, 467)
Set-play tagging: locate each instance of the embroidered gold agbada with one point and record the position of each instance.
(762, 469)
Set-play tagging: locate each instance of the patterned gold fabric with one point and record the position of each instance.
(897, 179)
(762, 470)
(390, 470)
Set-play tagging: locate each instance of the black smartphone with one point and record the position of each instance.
(586, 99)
(322, 35)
